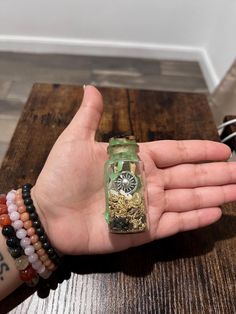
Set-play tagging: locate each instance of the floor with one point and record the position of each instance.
(19, 71)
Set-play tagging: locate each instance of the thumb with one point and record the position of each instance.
(86, 121)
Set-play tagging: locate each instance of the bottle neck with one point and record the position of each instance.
(123, 152)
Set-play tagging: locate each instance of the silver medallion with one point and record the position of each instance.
(127, 182)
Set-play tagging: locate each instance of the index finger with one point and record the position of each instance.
(168, 153)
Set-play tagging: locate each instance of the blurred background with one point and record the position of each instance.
(168, 45)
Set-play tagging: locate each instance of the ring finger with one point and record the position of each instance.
(196, 175)
(180, 200)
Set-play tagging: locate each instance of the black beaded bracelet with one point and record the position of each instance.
(30, 208)
(12, 242)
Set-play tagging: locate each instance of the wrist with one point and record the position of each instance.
(40, 228)
(26, 240)
(41, 209)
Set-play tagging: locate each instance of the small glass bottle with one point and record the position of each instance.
(125, 192)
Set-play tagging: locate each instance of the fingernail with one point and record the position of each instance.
(230, 156)
(84, 86)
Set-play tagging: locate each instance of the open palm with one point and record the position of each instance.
(182, 193)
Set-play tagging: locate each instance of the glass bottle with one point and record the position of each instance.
(125, 192)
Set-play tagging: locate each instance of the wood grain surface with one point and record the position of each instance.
(192, 272)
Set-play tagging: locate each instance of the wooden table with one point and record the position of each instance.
(192, 272)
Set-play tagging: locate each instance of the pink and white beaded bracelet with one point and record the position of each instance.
(23, 227)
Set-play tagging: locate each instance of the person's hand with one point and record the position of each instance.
(183, 193)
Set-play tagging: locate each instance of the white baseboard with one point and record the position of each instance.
(208, 70)
(28, 44)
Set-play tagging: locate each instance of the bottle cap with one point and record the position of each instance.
(116, 141)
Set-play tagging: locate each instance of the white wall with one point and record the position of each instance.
(183, 29)
(149, 21)
(221, 45)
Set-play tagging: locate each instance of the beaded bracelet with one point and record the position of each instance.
(26, 272)
(26, 239)
(38, 228)
(36, 244)
(20, 222)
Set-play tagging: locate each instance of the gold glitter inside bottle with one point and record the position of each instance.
(126, 201)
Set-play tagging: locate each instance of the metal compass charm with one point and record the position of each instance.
(127, 182)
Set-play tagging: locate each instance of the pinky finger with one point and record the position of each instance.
(172, 222)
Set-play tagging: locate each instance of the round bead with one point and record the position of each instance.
(18, 197)
(20, 202)
(37, 245)
(17, 224)
(5, 220)
(43, 238)
(40, 231)
(33, 258)
(26, 194)
(3, 199)
(52, 267)
(14, 216)
(31, 231)
(28, 201)
(21, 262)
(27, 187)
(28, 273)
(41, 252)
(19, 192)
(3, 209)
(8, 231)
(15, 252)
(36, 224)
(12, 208)
(12, 242)
(29, 250)
(33, 282)
(30, 208)
(11, 196)
(41, 269)
(10, 202)
(33, 216)
(55, 259)
(44, 257)
(46, 274)
(21, 233)
(28, 224)
(22, 209)
(46, 245)
(47, 262)
(50, 252)
(24, 217)
(34, 238)
(25, 190)
(25, 242)
(36, 265)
